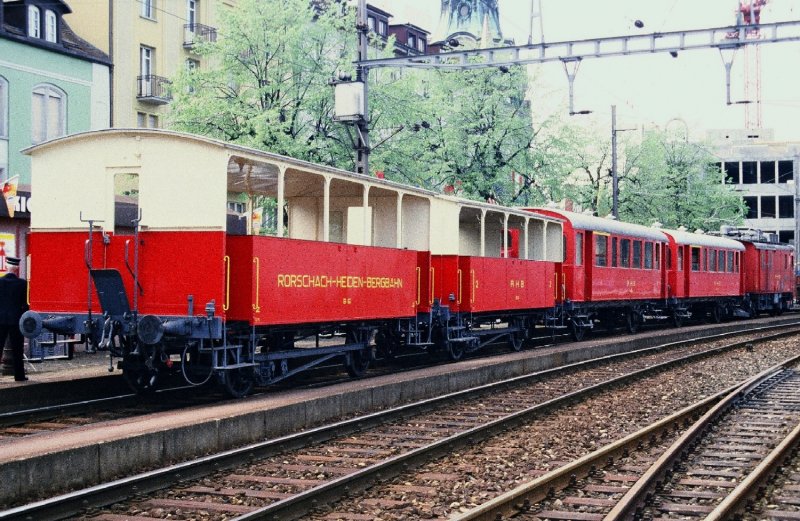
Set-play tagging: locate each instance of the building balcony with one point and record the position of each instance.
(154, 90)
(198, 33)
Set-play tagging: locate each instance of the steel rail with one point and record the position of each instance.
(70, 504)
(636, 496)
(539, 489)
(300, 504)
(736, 502)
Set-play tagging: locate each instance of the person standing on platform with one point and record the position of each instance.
(13, 303)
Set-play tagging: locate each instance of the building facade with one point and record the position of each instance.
(765, 173)
(52, 83)
(149, 41)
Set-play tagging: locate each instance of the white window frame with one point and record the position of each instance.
(146, 59)
(3, 108)
(148, 9)
(48, 91)
(34, 22)
(50, 26)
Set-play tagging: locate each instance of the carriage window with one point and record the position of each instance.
(695, 259)
(126, 203)
(648, 255)
(658, 254)
(614, 252)
(625, 253)
(736, 258)
(730, 262)
(600, 250)
(680, 258)
(669, 259)
(712, 265)
(579, 249)
(721, 261)
(704, 267)
(637, 254)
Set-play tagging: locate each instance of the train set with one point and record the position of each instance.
(151, 244)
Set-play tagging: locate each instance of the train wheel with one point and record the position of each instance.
(139, 374)
(517, 338)
(239, 382)
(578, 332)
(633, 321)
(677, 319)
(716, 314)
(358, 362)
(455, 350)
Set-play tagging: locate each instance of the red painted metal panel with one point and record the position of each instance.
(444, 276)
(424, 290)
(625, 283)
(172, 266)
(296, 281)
(498, 284)
(767, 269)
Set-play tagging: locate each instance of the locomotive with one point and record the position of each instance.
(152, 244)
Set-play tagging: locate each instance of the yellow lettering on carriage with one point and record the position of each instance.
(307, 281)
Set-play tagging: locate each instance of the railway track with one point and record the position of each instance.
(709, 470)
(292, 475)
(49, 418)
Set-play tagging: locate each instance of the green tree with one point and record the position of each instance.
(268, 83)
(677, 183)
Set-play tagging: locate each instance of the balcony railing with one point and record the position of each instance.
(196, 33)
(153, 89)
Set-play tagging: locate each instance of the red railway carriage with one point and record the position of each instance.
(171, 266)
(612, 271)
(767, 272)
(703, 274)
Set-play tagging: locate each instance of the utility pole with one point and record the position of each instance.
(362, 124)
(614, 175)
(614, 178)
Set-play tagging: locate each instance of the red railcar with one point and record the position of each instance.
(612, 271)
(767, 273)
(703, 274)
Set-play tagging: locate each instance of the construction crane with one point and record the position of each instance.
(748, 12)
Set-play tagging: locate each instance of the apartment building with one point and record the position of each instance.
(765, 173)
(52, 83)
(148, 41)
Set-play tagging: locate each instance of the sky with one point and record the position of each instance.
(651, 90)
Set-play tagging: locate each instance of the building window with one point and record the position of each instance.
(785, 206)
(768, 207)
(785, 171)
(144, 120)
(383, 27)
(50, 26)
(768, 172)
(148, 9)
(146, 58)
(749, 172)
(371, 23)
(49, 113)
(732, 173)
(34, 22)
(421, 44)
(412, 41)
(191, 12)
(783, 236)
(752, 207)
(3, 108)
